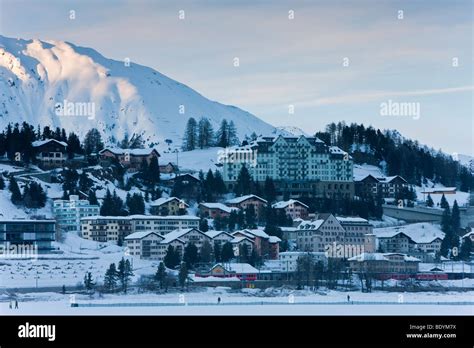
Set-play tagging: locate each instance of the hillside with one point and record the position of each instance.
(37, 77)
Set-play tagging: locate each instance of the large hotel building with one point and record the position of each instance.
(297, 165)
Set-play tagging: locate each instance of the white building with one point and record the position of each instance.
(116, 228)
(298, 165)
(289, 259)
(151, 245)
(68, 213)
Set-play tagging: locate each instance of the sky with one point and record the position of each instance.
(300, 63)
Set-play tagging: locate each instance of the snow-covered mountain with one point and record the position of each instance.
(292, 131)
(40, 79)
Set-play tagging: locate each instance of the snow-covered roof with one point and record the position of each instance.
(420, 233)
(284, 204)
(468, 234)
(176, 234)
(381, 257)
(311, 225)
(237, 240)
(240, 268)
(132, 152)
(387, 179)
(213, 234)
(351, 219)
(142, 217)
(164, 200)
(241, 199)
(38, 143)
(362, 171)
(438, 189)
(274, 239)
(219, 206)
(336, 150)
(140, 235)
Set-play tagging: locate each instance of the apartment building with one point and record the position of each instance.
(35, 234)
(68, 213)
(339, 237)
(116, 228)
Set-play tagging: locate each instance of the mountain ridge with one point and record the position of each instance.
(127, 98)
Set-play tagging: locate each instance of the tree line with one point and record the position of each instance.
(201, 135)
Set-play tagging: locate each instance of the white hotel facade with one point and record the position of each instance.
(297, 165)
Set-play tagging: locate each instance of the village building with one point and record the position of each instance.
(384, 187)
(220, 237)
(116, 228)
(144, 245)
(215, 210)
(50, 153)
(168, 168)
(266, 246)
(384, 265)
(242, 271)
(293, 208)
(68, 213)
(168, 206)
(27, 236)
(244, 202)
(132, 159)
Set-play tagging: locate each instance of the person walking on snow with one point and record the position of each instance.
(348, 298)
(218, 300)
(16, 304)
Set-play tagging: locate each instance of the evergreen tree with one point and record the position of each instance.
(219, 185)
(232, 134)
(110, 278)
(250, 216)
(429, 201)
(124, 273)
(171, 259)
(455, 219)
(190, 135)
(34, 195)
(73, 145)
(205, 254)
(227, 252)
(15, 190)
(135, 204)
(153, 172)
(222, 136)
(217, 252)
(183, 274)
(203, 225)
(269, 190)
(2, 182)
(88, 282)
(93, 198)
(190, 255)
(160, 275)
(244, 184)
(466, 249)
(92, 142)
(205, 133)
(443, 203)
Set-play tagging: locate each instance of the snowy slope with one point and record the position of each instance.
(130, 99)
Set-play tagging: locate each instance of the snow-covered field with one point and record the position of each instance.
(247, 302)
(68, 268)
